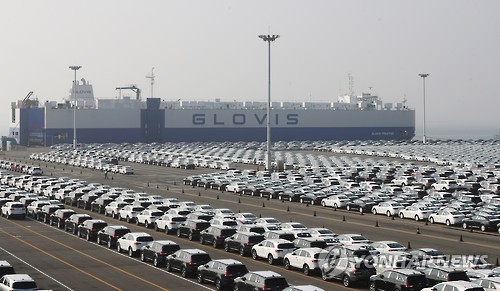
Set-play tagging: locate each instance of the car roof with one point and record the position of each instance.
(278, 240)
(229, 262)
(266, 274)
(18, 277)
(461, 284)
(408, 271)
(5, 264)
(165, 242)
(118, 226)
(194, 251)
(139, 234)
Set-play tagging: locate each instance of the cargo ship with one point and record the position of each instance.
(134, 120)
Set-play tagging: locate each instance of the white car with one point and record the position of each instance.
(352, 239)
(132, 242)
(205, 208)
(129, 212)
(455, 286)
(171, 202)
(169, 222)
(321, 232)
(224, 212)
(388, 246)
(489, 284)
(307, 259)
(35, 207)
(415, 212)
(17, 281)
(113, 208)
(13, 209)
(126, 170)
(267, 221)
(448, 217)
(294, 227)
(236, 187)
(272, 249)
(148, 217)
(189, 205)
(224, 221)
(387, 208)
(245, 218)
(335, 201)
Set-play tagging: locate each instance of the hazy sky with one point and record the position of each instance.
(208, 49)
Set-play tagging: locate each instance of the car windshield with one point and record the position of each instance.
(255, 239)
(275, 282)
(121, 232)
(286, 246)
(197, 258)
(6, 271)
(24, 285)
(239, 269)
(178, 219)
(170, 248)
(227, 232)
(358, 238)
(100, 225)
(454, 276)
(414, 279)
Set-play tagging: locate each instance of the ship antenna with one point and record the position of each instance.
(152, 77)
(351, 84)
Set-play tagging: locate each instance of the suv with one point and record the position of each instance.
(310, 242)
(456, 285)
(436, 275)
(169, 222)
(17, 282)
(192, 228)
(46, 211)
(307, 259)
(148, 217)
(279, 234)
(221, 272)
(349, 270)
(158, 250)
(110, 234)
(216, 235)
(401, 279)
(74, 221)
(272, 249)
(99, 204)
(89, 228)
(132, 242)
(187, 261)
(242, 242)
(261, 280)
(59, 217)
(6, 268)
(13, 209)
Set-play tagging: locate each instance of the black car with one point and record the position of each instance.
(192, 228)
(186, 261)
(260, 280)
(158, 250)
(349, 270)
(74, 221)
(399, 279)
(46, 211)
(215, 235)
(361, 205)
(59, 217)
(6, 268)
(481, 222)
(436, 275)
(279, 234)
(89, 228)
(110, 234)
(242, 242)
(99, 204)
(221, 272)
(85, 201)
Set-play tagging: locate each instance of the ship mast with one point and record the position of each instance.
(152, 77)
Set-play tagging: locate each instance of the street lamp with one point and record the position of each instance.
(423, 78)
(74, 68)
(269, 38)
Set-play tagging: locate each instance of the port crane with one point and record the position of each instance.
(133, 88)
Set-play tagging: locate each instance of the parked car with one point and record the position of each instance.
(455, 286)
(481, 222)
(307, 259)
(89, 228)
(187, 261)
(132, 242)
(448, 217)
(110, 234)
(272, 249)
(349, 270)
(260, 280)
(59, 217)
(13, 209)
(17, 282)
(74, 221)
(216, 235)
(401, 279)
(192, 228)
(157, 251)
(242, 242)
(221, 272)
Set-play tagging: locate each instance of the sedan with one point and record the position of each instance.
(483, 223)
(415, 212)
(447, 217)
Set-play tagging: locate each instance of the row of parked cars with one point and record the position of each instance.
(84, 161)
(243, 233)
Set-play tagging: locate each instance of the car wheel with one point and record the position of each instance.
(99, 242)
(348, 208)
(447, 222)
(401, 215)
(242, 251)
(388, 213)
(323, 204)
(218, 284)
(190, 236)
(202, 240)
(287, 265)
(157, 228)
(200, 278)
(143, 257)
(270, 259)
(335, 206)
(290, 199)
(214, 243)
(137, 222)
(118, 248)
(431, 220)
(226, 247)
(372, 287)
(110, 245)
(184, 272)
(254, 255)
(59, 225)
(88, 236)
(168, 267)
(361, 210)
(178, 232)
(464, 225)
(417, 218)
(131, 252)
(374, 211)
(498, 230)
(346, 281)
(146, 224)
(483, 228)
(128, 219)
(324, 277)
(306, 270)
(156, 262)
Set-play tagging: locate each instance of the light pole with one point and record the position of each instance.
(269, 39)
(423, 78)
(74, 68)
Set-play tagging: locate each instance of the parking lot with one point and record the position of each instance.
(75, 263)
